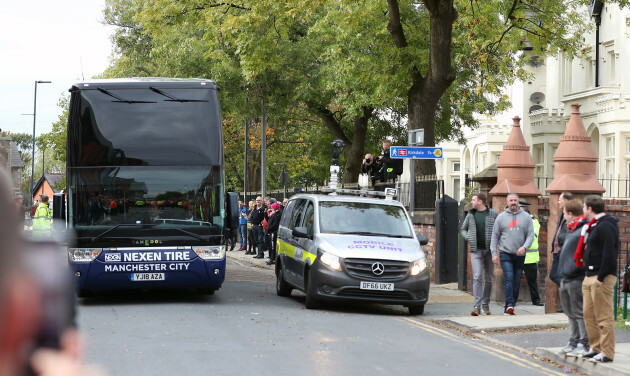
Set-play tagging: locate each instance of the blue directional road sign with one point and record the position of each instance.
(415, 152)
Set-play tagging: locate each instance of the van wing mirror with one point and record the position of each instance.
(423, 240)
(300, 232)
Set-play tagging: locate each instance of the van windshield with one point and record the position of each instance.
(364, 218)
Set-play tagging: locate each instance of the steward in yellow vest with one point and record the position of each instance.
(531, 261)
(42, 220)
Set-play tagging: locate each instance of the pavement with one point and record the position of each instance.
(504, 330)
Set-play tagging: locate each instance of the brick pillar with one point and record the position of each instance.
(574, 171)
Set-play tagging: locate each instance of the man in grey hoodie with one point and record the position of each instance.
(512, 234)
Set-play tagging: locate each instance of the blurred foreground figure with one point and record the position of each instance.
(22, 308)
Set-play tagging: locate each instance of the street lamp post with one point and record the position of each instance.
(30, 185)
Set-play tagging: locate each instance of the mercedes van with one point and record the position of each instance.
(336, 247)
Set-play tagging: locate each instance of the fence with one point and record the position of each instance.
(615, 188)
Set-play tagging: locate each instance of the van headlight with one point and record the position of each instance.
(211, 252)
(83, 254)
(418, 266)
(331, 260)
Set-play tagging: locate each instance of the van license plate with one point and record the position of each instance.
(377, 286)
(135, 277)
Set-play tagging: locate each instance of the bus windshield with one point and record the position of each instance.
(125, 199)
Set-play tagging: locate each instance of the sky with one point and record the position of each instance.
(60, 41)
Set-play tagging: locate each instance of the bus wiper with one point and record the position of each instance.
(105, 232)
(120, 99)
(190, 233)
(173, 98)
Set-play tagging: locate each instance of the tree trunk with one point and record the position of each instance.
(356, 149)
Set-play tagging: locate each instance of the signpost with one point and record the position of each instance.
(415, 152)
(412, 153)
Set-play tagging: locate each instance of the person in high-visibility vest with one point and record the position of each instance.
(42, 220)
(532, 256)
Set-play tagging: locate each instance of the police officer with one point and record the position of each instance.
(42, 220)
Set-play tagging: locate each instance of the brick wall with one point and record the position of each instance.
(619, 209)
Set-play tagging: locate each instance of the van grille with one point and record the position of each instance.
(398, 295)
(362, 268)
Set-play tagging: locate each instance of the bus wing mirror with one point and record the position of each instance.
(232, 211)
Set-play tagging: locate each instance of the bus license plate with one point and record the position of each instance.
(147, 277)
(377, 286)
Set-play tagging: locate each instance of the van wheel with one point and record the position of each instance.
(206, 290)
(416, 309)
(282, 287)
(311, 301)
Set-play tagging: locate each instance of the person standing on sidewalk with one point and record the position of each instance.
(259, 214)
(532, 256)
(251, 242)
(512, 234)
(242, 226)
(42, 220)
(477, 230)
(272, 229)
(571, 277)
(558, 239)
(599, 255)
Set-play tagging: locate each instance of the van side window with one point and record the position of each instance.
(309, 217)
(286, 214)
(297, 215)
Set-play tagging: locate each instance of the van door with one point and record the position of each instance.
(289, 247)
(308, 245)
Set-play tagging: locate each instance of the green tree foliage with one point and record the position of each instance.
(345, 69)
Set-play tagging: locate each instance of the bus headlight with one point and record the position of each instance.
(211, 252)
(418, 266)
(83, 254)
(331, 260)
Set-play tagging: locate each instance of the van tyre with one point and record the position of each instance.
(311, 301)
(416, 309)
(282, 287)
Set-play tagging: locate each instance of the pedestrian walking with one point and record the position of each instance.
(532, 256)
(242, 225)
(477, 230)
(512, 234)
(571, 278)
(272, 229)
(598, 253)
(259, 214)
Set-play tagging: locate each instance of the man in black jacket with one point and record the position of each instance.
(600, 261)
(258, 215)
(391, 167)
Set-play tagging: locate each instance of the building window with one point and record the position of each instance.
(456, 188)
(456, 167)
(628, 147)
(609, 157)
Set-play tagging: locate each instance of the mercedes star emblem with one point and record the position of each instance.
(378, 268)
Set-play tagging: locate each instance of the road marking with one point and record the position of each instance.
(481, 347)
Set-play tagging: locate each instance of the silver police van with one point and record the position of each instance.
(334, 247)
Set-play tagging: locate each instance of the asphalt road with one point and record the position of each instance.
(245, 328)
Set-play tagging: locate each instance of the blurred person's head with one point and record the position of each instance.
(19, 296)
